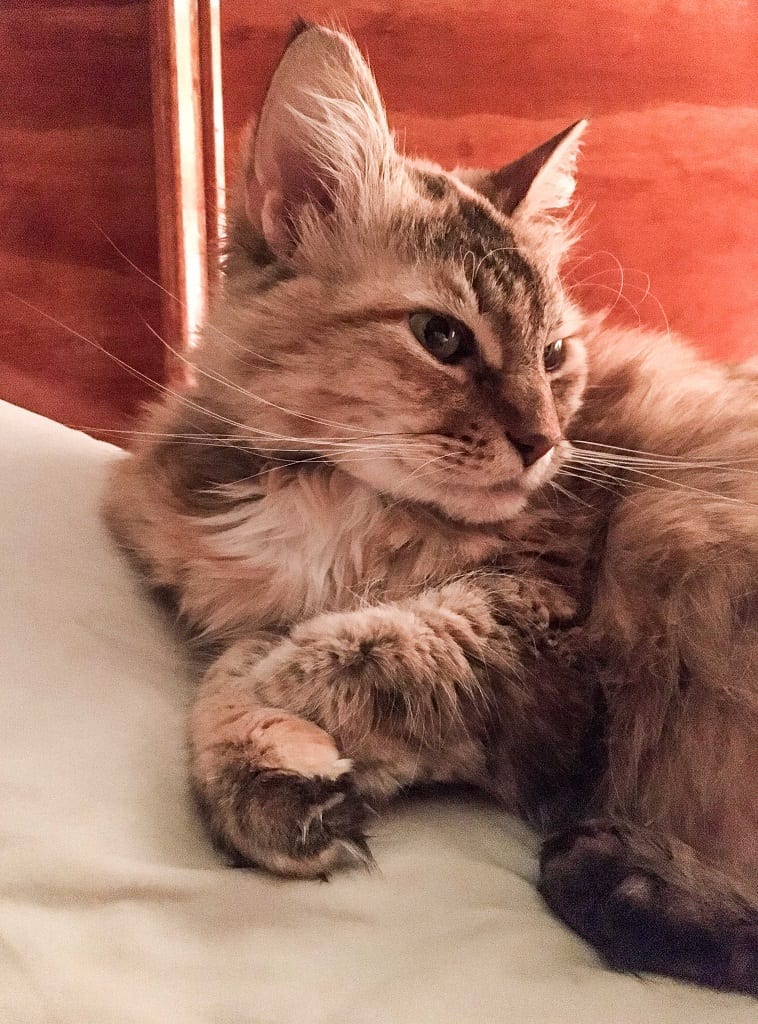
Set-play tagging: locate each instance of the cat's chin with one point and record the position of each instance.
(465, 503)
(487, 503)
(479, 505)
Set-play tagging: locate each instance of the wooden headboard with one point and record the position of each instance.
(118, 121)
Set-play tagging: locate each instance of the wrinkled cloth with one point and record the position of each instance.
(115, 909)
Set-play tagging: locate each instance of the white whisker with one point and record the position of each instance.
(569, 494)
(183, 399)
(175, 298)
(243, 391)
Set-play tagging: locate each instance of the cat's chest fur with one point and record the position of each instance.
(310, 541)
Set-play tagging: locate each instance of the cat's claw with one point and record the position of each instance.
(287, 823)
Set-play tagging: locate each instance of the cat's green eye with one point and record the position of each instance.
(554, 354)
(446, 338)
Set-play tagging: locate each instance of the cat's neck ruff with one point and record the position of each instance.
(318, 539)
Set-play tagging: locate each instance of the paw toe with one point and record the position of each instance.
(287, 823)
(643, 915)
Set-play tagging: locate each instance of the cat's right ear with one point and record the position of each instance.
(321, 140)
(536, 184)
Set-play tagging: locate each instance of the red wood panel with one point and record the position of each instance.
(76, 161)
(669, 170)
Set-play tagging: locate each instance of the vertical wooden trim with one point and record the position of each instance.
(209, 21)
(178, 133)
(165, 136)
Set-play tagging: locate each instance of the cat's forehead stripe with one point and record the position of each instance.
(466, 232)
(508, 290)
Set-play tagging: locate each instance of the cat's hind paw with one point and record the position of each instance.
(646, 905)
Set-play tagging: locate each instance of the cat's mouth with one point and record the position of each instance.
(486, 501)
(518, 487)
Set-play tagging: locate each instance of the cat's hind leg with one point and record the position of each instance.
(648, 903)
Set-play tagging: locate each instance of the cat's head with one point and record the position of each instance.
(404, 322)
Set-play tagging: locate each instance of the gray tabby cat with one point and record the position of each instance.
(442, 527)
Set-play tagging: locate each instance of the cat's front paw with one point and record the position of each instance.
(289, 824)
(302, 819)
(530, 604)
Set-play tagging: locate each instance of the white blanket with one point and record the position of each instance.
(114, 909)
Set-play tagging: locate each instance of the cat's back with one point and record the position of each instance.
(676, 438)
(652, 395)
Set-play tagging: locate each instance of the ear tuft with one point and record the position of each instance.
(299, 25)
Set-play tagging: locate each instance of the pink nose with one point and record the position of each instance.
(531, 447)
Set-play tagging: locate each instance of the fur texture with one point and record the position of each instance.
(529, 567)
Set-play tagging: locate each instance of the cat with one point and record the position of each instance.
(438, 525)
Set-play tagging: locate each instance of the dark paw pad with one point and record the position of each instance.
(626, 895)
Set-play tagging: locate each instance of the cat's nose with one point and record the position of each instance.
(532, 447)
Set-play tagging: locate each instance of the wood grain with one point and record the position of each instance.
(177, 126)
(212, 117)
(668, 172)
(667, 177)
(76, 165)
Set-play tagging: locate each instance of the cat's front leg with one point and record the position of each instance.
(273, 787)
(289, 737)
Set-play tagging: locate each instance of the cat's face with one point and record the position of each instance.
(400, 323)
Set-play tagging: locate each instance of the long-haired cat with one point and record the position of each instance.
(442, 527)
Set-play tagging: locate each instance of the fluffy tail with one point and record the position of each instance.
(647, 903)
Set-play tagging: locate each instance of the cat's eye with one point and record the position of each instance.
(554, 354)
(446, 338)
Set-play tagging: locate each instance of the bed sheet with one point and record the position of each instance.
(114, 908)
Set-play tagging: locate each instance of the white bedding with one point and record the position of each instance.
(114, 909)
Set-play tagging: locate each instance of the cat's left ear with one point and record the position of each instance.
(537, 183)
(322, 139)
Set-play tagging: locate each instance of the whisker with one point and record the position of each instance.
(190, 438)
(569, 494)
(285, 464)
(415, 473)
(630, 462)
(210, 326)
(617, 296)
(175, 298)
(691, 487)
(656, 455)
(243, 391)
(590, 478)
(647, 292)
(436, 458)
(183, 399)
(677, 484)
